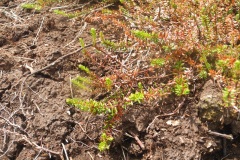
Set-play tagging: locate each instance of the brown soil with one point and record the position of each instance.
(36, 123)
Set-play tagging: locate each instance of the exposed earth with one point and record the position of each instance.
(36, 122)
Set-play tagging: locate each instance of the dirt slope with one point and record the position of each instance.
(36, 123)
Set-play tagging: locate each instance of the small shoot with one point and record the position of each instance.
(108, 83)
(179, 66)
(63, 13)
(203, 74)
(84, 68)
(169, 48)
(107, 43)
(30, 6)
(143, 35)
(82, 82)
(82, 43)
(204, 60)
(140, 86)
(80, 104)
(90, 105)
(222, 65)
(236, 69)
(93, 33)
(229, 97)
(106, 11)
(136, 97)
(181, 86)
(158, 62)
(105, 142)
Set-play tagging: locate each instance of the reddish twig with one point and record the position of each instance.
(138, 140)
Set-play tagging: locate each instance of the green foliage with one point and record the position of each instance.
(179, 66)
(82, 82)
(237, 17)
(48, 2)
(93, 106)
(110, 1)
(97, 107)
(158, 62)
(204, 60)
(205, 21)
(229, 97)
(108, 83)
(93, 33)
(181, 86)
(121, 1)
(236, 69)
(173, 5)
(31, 6)
(136, 97)
(222, 65)
(203, 74)
(78, 103)
(63, 13)
(107, 11)
(84, 68)
(150, 62)
(124, 11)
(81, 41)
(140, 86)
(169, 48)
(107, 43)
(143, 35)
(105, 142)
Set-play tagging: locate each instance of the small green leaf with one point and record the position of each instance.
(94, 35)
(108, 83)
(158, 62)
(136, 97)
(84, 68)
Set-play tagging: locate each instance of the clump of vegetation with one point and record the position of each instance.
(31, 6)
(196, 40)
(63, 13)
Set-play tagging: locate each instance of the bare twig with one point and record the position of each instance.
(226, 136)
(33, 144)
(36, 157)
(12, 15)
(165, 115)
(78, 34)
(84, 144)
(90, 155)
(14, 125)
(5, 146)
(57, 61)
(138, 140)
(39, 30)
(65, 152)
(126, 134)
(37, 107)
(124, 157)
(30, 68)
(226, 156)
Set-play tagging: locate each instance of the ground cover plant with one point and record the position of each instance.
(150, 71)
(163, 51)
